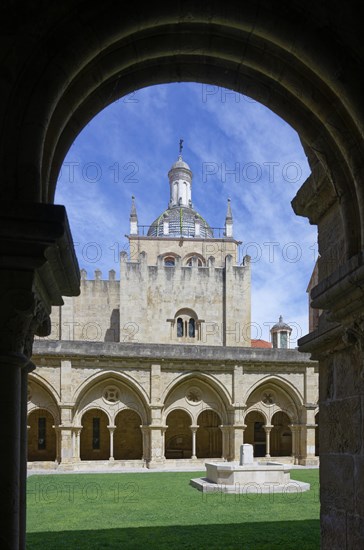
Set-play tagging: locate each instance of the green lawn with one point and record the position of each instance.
(161, 510)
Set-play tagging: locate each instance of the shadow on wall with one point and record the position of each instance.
(113, 332)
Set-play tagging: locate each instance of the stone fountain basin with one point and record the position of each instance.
(231, 473)
(255, 478)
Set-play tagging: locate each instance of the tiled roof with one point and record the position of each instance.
(261, 344)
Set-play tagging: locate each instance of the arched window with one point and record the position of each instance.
(191, 328)
(199, 261)
(179, 327)
(169, 261)
(186, 326)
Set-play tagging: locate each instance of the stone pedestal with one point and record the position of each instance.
(246, 454)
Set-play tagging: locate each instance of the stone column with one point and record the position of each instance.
(38, 265)
(156, 428)
(111, 430)
(65, 436)
(76, 431)
(13, 461)
(194, 429)
(294, 429)
(157, 457)
(309, 437)
(23, 451)
(225, 442)
(22, 314)
(146, 443)
(267, 430)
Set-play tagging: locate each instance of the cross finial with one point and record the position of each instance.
(180, 146)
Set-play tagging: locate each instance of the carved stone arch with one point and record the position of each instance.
(43, 396)
(196, 393)
(119, 379)
(41, 440)
(94, 429)
(57, 112)
(201, 261)
(163, 258)
(92, 394)
(256, 410)
(293, 394)
(90, 407)
(176, 408)
(186, 311)
(208, 379)
(285, 398)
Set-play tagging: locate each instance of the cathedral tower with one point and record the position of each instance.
(182, 282)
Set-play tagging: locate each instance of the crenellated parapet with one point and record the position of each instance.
(214, 299)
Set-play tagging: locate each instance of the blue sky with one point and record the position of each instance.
(235, 147)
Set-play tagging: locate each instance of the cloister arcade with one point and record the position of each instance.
(110, 421)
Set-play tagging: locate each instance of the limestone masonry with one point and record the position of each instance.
(158, 368)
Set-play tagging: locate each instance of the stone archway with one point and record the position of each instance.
(41, 436)
(254, 432)
(208, 435)
(178, 436)
(281, 435)
(305, 62)
(128, 441)
(94, 438)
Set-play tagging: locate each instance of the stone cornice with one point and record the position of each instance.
(167, 352)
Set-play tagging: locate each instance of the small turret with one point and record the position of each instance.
(133, 218)
(180, 182)
(281, 333)
(229, 221)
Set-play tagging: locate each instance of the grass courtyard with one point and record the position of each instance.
(161, 510)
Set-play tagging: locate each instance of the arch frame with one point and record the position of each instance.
(116, 378)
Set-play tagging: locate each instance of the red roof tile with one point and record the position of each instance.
(261, 344)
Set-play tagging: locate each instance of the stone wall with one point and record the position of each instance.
(152, 295)
(91, 316)
(152, 381)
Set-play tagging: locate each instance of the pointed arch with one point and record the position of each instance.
(210, 380)
(133, 397)
(195, 392)
(279, 381)
(42, 395)
(291, 401)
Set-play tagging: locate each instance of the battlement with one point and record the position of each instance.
(98, 275)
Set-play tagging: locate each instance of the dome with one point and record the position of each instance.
(281, 325)
(181, 224)
(180, 164)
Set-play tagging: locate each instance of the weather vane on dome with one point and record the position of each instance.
(180, 146)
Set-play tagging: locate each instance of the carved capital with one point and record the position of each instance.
(38, 266)
(23, 315)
